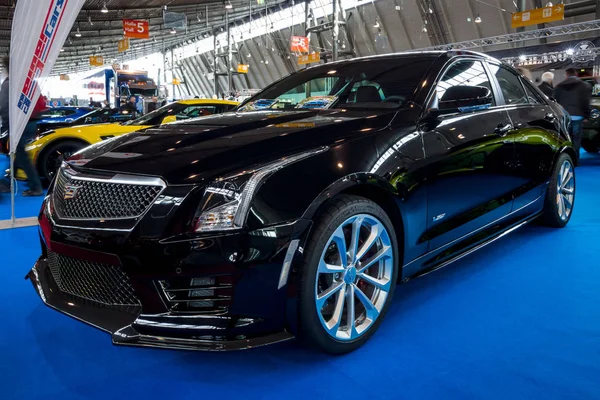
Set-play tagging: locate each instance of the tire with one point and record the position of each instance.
(560, 196)
(591, 146)
(317, 309)
(52, 156)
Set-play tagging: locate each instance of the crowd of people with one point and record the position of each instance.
(574, 95)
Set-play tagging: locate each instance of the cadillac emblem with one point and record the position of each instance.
(71, 191)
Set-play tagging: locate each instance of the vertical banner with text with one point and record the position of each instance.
(123, 45)
(39, 30)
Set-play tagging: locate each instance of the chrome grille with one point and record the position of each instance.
(95, 199)
(102, 283)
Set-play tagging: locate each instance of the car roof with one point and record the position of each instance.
(192, 102)
(424, 53)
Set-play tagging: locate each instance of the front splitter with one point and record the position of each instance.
(119, 321)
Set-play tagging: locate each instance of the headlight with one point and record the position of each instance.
(226, 204)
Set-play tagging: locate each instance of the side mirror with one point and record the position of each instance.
(169, 119)
(465, 99)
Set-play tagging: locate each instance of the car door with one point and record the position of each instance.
(535, 133)
(469, 154)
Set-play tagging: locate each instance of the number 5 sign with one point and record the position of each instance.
(136, 29)
(299, 44)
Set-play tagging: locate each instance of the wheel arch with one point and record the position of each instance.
(371, 187)
(52, 143)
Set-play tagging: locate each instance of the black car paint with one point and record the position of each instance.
(450, 184)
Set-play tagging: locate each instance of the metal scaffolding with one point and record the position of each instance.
(570, 29)
(558, 56)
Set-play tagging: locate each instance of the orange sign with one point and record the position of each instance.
(96, 61)
(242, 68)
(299, 44)
(309, 58)
(538, 16)
(123, 45)
(136, 29)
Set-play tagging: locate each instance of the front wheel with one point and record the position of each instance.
(349, 275)
(52, 157)
(560, 196)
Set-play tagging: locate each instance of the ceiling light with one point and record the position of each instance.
(398, 8)
(104, 10)
(248, 55)
(522, 57)
(61, 50)
(228, 5)
(570, 52)
(477, 19)
(376, 25)
(549, 4)
(77, 34)
(469, 19)
(173, 31)
(430, 10)
(424, 29)
(266, 61)
(90, 21)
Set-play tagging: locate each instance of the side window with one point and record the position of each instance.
(195, 111)
(466, 73)
(511, 86)
(69, 112)
(532, 96)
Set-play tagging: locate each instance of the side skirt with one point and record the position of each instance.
(476, 247)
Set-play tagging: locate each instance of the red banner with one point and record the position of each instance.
(137, 29)
(299, 44)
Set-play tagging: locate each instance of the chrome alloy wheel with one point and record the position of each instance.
(354, 277)
(565, 192)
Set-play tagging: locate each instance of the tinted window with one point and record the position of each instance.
(532, 96)
(463, 73)
(510, 84)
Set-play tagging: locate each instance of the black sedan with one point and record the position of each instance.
(297, 214)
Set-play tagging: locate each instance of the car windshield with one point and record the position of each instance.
(155, 117)
(370, 83)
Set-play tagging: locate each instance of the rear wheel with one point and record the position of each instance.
(560, 196)
(52, 157)
(349, 275)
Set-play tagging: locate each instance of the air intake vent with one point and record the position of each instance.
(205, 295)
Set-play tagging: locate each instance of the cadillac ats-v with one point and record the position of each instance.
(297, 214)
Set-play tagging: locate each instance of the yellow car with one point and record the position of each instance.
(50, 148)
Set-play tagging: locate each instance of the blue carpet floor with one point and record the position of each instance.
(518, 320)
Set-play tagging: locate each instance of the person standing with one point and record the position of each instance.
(547, 85)
(131, 107)
(22, 160)
(153, 105)
(575, 96)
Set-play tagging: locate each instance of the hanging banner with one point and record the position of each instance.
(136, 29)
(243, 68)
(96, 61)
(538, 16)
(123, 45)
(39, 30)
(299, 44)
(309, 58)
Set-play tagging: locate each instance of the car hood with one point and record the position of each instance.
(207, 148)
(99, 129)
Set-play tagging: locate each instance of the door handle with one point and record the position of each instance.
(550, 117)
(503, 129)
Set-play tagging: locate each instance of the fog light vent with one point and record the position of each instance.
(201, 295)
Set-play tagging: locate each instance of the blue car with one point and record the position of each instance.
(63, 114)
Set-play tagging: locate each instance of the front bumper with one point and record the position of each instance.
(129, 326)
(262, 292)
